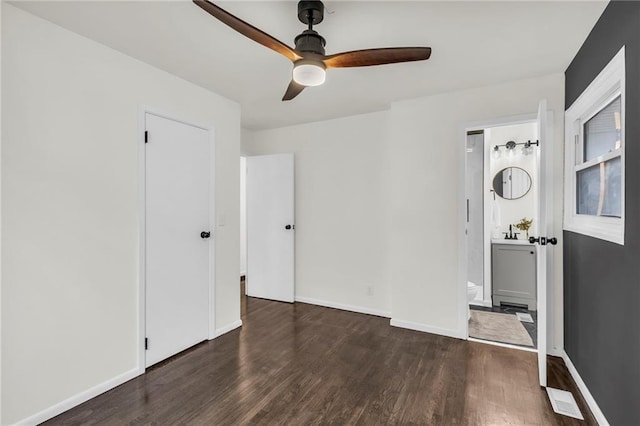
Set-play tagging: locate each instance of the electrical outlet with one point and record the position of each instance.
(370, 289)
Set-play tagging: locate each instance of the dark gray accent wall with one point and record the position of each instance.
(602, 279)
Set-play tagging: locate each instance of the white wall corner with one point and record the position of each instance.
(591, 402)
(344, 307)
(78, 398)
(457, 334)
(227, 328)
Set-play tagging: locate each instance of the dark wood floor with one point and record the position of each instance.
(303, 364)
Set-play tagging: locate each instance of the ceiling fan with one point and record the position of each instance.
(309, 60)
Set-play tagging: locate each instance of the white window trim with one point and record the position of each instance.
(608, 85)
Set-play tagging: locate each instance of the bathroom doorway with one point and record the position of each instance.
(502, 196)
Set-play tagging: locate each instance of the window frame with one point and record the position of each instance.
(603, 90)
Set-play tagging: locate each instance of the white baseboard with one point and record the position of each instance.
(344, 307)
(554, 352)
(78, 399)
(227, 328)
(591, 402)
(426, 328)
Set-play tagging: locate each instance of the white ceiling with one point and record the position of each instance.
(474, 44)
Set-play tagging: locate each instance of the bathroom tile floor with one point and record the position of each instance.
(532, 328)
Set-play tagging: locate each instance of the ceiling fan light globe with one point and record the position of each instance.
(309, 74)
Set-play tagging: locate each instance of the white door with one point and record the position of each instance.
(177, 177)
(270, 227)
(544, 258)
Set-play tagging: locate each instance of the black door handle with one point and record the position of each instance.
(290, 227)
(205, 234)
(544, 240)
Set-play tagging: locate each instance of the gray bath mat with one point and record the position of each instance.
(498, 327)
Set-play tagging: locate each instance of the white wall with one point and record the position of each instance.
(426, 154)
(342, 216)
(70, 208)
(512, 211)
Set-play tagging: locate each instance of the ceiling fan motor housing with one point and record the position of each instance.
(310, 12)
(310, 41)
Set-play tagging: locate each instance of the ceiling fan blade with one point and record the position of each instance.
(248, 30)
(369, 57)
(293, 90)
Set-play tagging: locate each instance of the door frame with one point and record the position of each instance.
(462, 223)
(142, 203)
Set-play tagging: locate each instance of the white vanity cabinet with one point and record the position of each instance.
(513, 266)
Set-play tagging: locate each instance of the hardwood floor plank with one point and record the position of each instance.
(305, 364)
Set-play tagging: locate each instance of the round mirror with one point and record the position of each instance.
(512, 183)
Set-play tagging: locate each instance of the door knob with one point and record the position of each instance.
(543, 241)
(290, 227)
(205, 234)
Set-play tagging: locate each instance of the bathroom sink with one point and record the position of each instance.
(523, 241)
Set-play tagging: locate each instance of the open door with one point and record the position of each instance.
(545, 238)
(270, 227)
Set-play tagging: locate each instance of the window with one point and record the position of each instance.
(598, 173)
(594, 157)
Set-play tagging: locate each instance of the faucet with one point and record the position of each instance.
(511, 235)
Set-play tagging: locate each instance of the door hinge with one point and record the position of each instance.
(146, 343)
(146, 136)
(467, 210)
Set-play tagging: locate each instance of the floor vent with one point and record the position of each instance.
(564, 403)
(524, 317)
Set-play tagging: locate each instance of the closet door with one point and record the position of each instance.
(177, 244)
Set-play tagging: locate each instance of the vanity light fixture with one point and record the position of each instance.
(496, 152)
(527, 149)
(511, 148)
